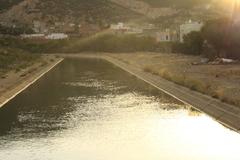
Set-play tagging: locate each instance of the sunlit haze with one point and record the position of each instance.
(119, 79)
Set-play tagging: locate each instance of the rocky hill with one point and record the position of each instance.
(83, 15)
(176, 3)
(64, 15)
(6, 4)
(143, 7)
(165, 13)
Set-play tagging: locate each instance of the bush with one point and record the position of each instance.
(15, 59)
(223, 36)
(193, 43)
(113, 43)
(15, 31)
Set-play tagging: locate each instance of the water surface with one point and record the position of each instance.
(90, 110)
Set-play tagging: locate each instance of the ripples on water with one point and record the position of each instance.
(90, 110)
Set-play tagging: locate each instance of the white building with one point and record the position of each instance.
(33, 36)
(39, 27)
(164, 36)
(188, 28)
(134, 31)
(72, 25)
(119, 26)
(57, 36)
(167, 35)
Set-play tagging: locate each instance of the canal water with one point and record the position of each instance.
(88, 109)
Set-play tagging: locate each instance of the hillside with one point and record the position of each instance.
(6, 4)
(145, 8)
(94, 13)
(185, 10)
(75, 16)
(165, 13)
(184, 15)
(176, 3)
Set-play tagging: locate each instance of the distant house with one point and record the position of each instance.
(188, 28)
(39, 27)
(59, 24)
(31, 10)
(134, 31)
(57, 36)
(148, 26)
(163, 36)
(33, 36)
(72, 25)
(118, 26)
(167, 36)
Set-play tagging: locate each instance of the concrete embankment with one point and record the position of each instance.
(226, 114)
(17, 83)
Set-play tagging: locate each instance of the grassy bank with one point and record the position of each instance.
(113, 43)
(15, 59)
(225, 93)
(219, 81)
(117, 43)
(33, 45)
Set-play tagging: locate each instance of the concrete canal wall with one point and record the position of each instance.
(226, 114)
(20, 84)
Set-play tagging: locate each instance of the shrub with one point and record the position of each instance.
(193, 43)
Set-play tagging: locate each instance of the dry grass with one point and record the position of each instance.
(219, 81)
(181, 79)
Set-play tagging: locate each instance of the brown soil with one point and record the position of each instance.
(218, 81)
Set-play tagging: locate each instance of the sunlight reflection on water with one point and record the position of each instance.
(93, 111)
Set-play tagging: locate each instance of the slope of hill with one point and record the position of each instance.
(94, 12)
(145, 8)
(172, 13)
(101, 13)
(176, 3)
(6, 4)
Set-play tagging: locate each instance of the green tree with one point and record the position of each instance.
(193, 43)
(15, 31)
(217, 33)
(223, 36)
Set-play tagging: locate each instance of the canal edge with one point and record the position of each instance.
(27, 83)
(227, 122)
(226, 114)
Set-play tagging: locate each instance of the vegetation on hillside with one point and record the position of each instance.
(218, 38)
(15, 59)
(93, 12)
(182, 16)
(113, 43)
(176, 3)
(15, 31)
(33, 45)
(98, 43)
(69, 16)
(6, 4)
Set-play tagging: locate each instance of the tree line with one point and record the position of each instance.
(217, 38)
(15, 30)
